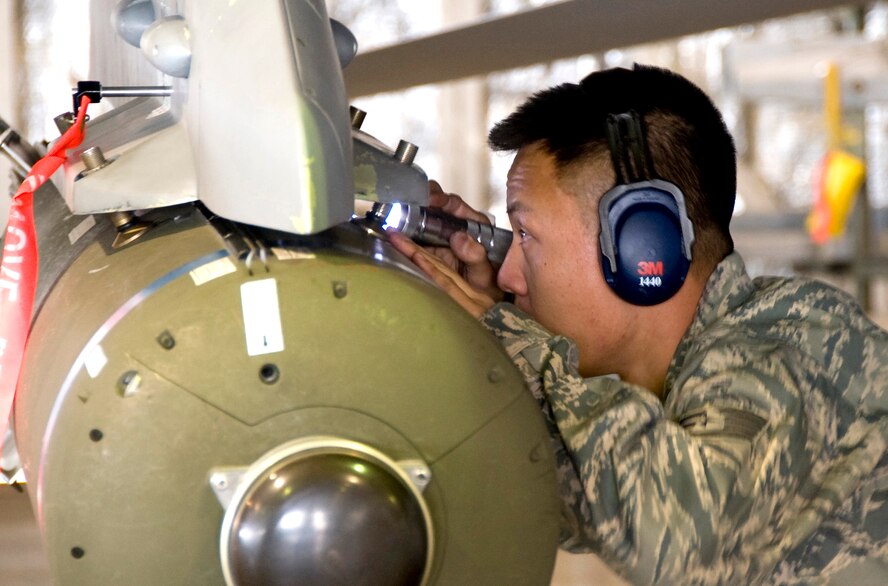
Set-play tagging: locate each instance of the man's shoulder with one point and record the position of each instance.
(795, 304)
(811, 329)
(732, 294)
(799, 290)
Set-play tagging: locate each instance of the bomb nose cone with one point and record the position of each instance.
(327, 518)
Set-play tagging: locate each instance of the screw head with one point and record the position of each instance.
(129, 383)
(166, 340)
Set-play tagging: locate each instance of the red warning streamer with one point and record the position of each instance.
(18, 268)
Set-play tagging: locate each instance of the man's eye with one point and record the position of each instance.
(522, 235)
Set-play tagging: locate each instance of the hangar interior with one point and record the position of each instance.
(795, 79)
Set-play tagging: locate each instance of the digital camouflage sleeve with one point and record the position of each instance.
(766, 461)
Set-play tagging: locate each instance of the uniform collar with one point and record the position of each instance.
(728, 287)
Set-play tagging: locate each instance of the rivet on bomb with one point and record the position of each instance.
(166, 340)
(129, 383)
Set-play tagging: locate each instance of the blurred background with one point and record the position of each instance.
(803, 86)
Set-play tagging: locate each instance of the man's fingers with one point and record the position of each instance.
(409, 248)
(478, 270)
(443, 275)
(428, 258)
(403, 244)
(435, 188)
(446, 256)
(415, 252)
(451, 283)
(453, 204)
(467, 249)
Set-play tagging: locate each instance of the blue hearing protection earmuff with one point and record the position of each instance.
(646, 235)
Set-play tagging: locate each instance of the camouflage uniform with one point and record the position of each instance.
(764, 463)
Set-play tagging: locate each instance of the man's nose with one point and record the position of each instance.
(510, 278)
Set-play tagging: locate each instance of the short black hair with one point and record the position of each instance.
(687, 138)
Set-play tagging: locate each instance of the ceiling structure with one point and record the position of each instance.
(552, 31)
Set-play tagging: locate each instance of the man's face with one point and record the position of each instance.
(553, 266)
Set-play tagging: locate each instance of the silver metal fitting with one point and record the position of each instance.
(94, 159)
(406, 152)
(357, 117)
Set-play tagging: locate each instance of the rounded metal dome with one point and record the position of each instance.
(326, 513)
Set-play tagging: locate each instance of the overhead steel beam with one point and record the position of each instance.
(554, 31)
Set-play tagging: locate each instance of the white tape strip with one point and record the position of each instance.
(212, 270)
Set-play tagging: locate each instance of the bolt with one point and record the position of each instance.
(495, 374)
(64, 121)
(122, 220)
(77, 552)
(93, 158)
(406, 152)
(166, 340)
(96, 435)
(340, 289)
(420, 476)
(357, 117)
(220, 482)
(129, 383)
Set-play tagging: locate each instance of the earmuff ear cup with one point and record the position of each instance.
(646, 239)
(650, 265)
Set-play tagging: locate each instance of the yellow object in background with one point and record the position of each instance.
(841, 175)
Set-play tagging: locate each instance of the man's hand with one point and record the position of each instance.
(443, 274)
(462, 270)
(465, 256)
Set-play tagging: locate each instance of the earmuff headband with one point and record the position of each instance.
(628, 147)
(646, 236)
